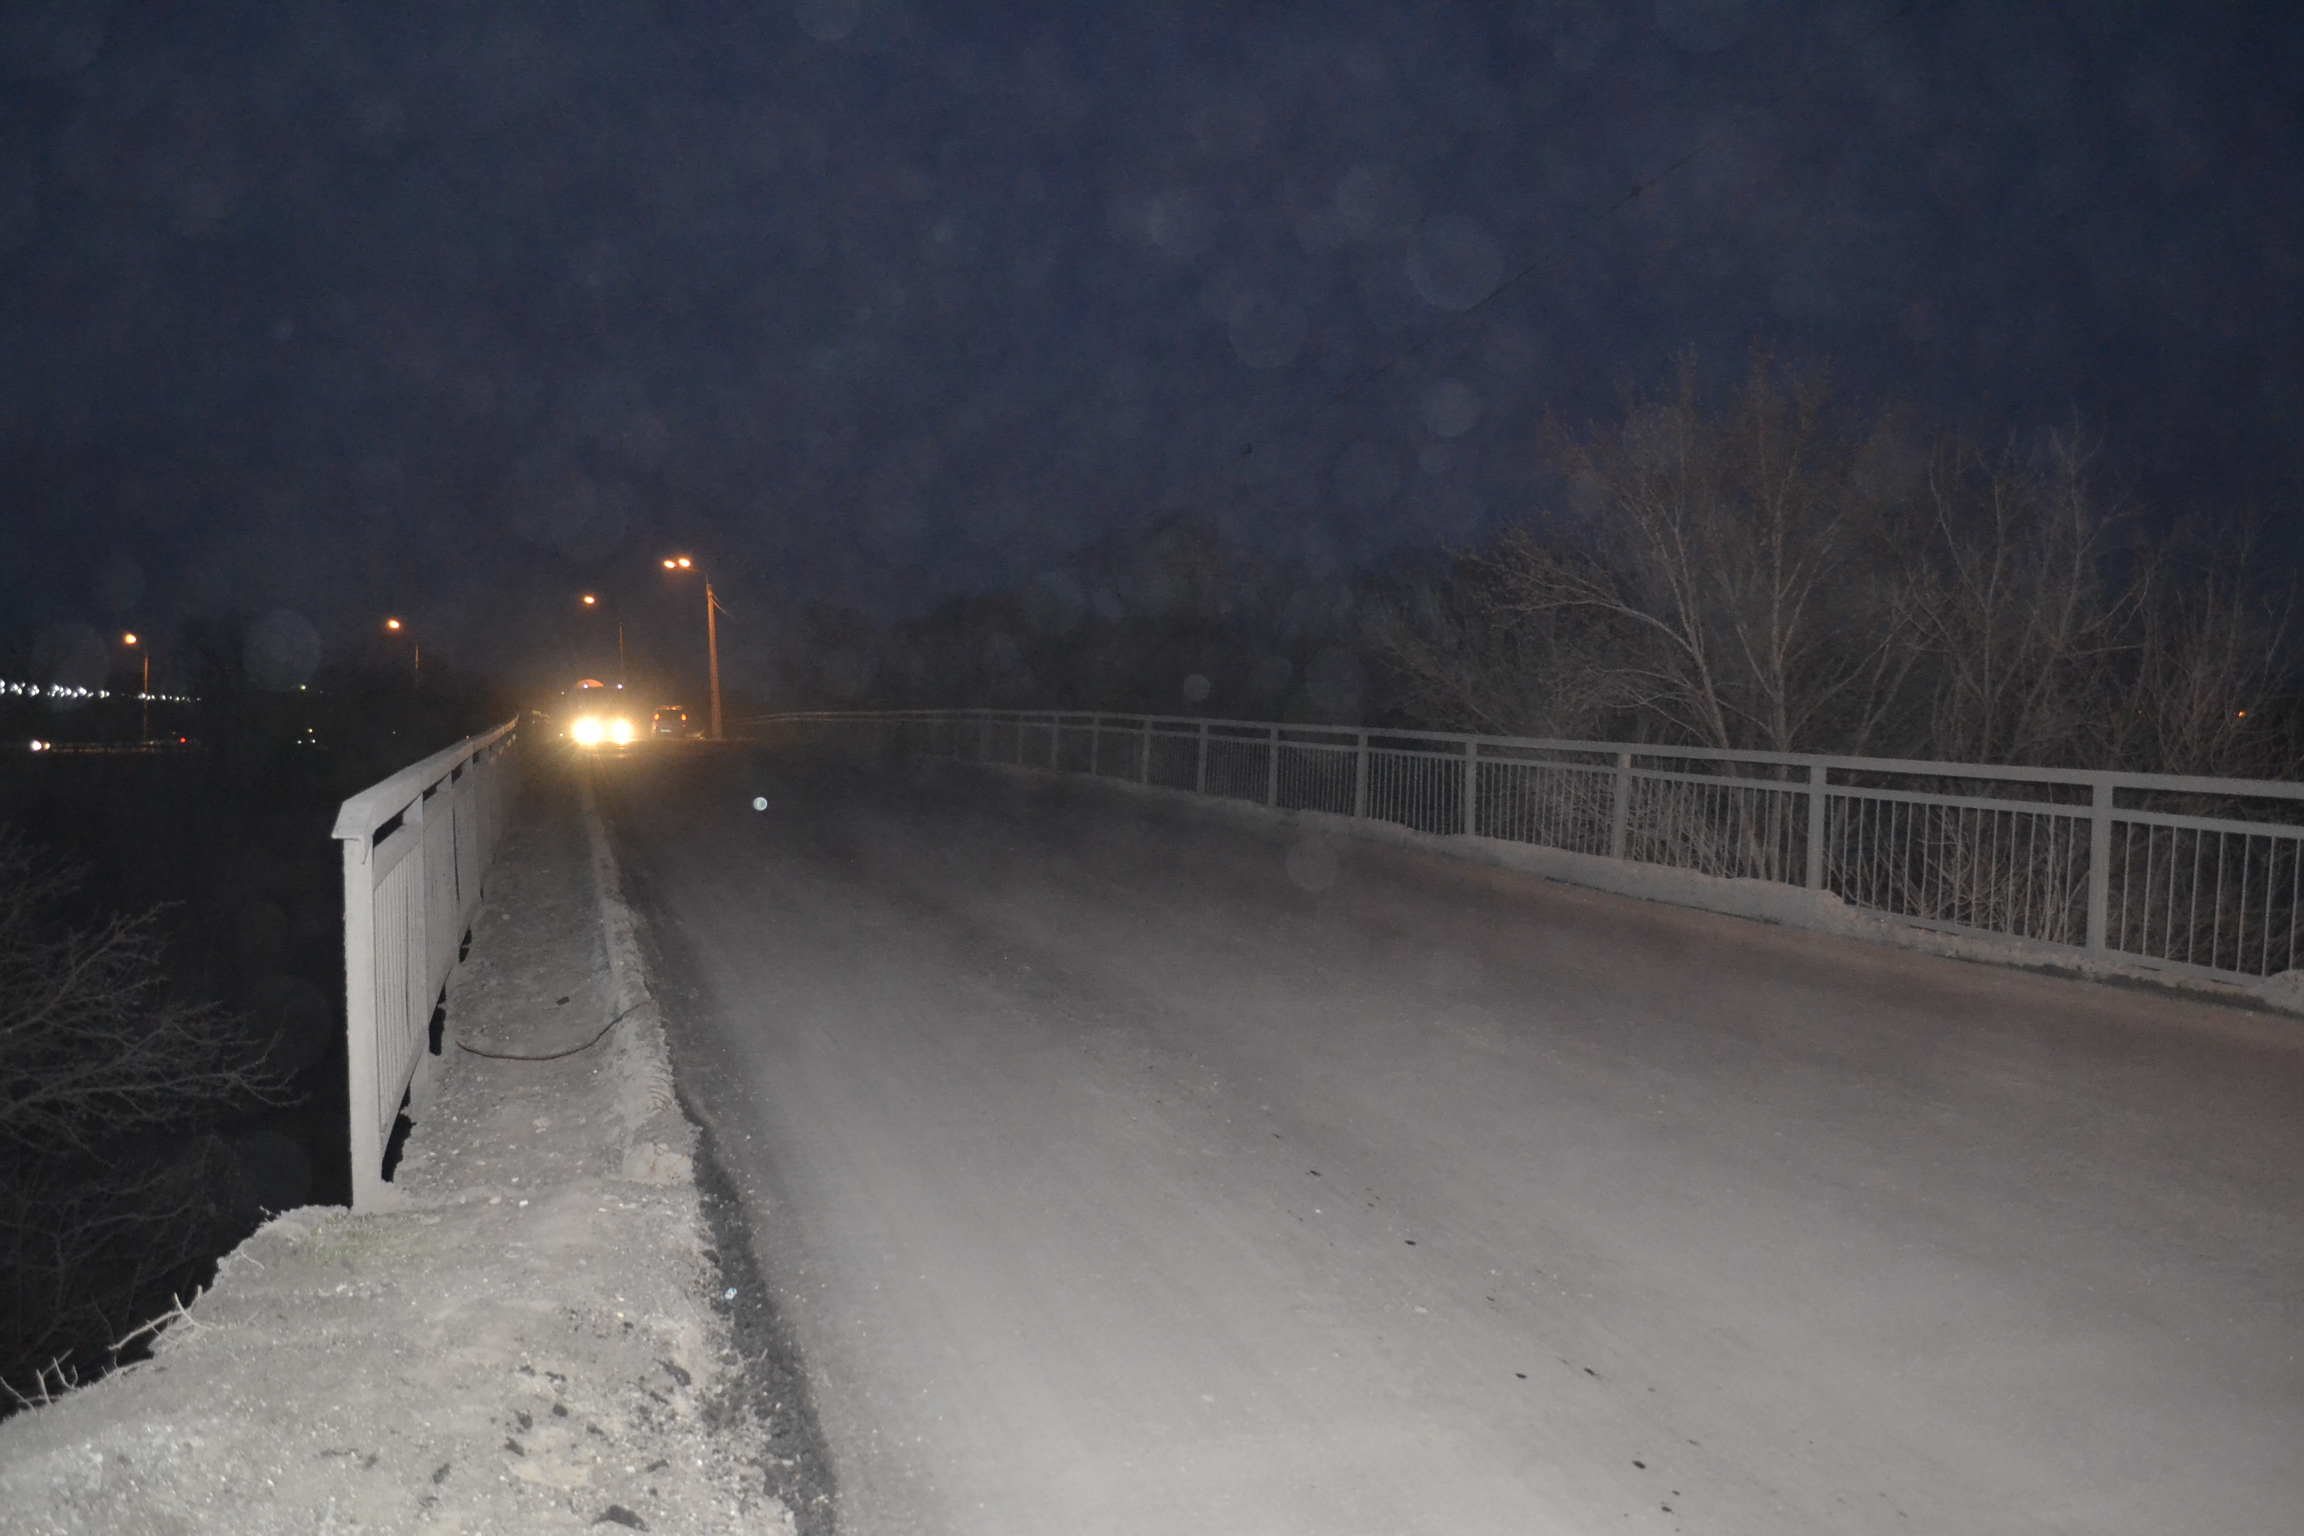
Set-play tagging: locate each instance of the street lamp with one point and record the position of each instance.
(677, 564)
(592, 601)
(416, 647)
(143, 694)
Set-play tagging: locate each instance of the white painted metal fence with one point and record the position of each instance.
(2196, 875)
(416, 849)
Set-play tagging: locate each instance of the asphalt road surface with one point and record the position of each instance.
(1123, 1168)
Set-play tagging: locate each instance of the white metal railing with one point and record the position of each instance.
(416, 849)
(2196, 875)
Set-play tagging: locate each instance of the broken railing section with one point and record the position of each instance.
(2203, 876)
(417, 848)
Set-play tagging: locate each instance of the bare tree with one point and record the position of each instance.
(1466, 649)
(2054, 632)
(114, 1190)
(2012, 603)
(2211, 649)
(88, 1252)
(1732, 580)
(91, 1046)
(1777, 572)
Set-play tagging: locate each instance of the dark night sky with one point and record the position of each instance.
(457, 309)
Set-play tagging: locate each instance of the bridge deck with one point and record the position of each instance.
(1125, 1170)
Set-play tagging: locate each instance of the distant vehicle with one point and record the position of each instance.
(672, 720)
(600, 719)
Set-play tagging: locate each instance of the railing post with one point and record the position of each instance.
(1360, 779)
(1272, 767)
(1620, 818)
(2099, 862)
(1144, 754)
(1056, 742)
(1471, 786)
(1200, 772)
(1815, 826)
(1095, 745)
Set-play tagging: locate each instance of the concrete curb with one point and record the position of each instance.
(659, 1145)
(1758, 900)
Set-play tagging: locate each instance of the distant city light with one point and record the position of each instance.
(68, 691)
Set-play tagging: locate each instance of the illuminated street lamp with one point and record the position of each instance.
(677, 564)
(416, 647)
(143, 694)
(590, 600)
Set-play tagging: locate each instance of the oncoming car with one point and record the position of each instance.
(599, 718)
(602, 730)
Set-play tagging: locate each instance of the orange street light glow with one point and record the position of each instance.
(589, 599)
(391, 623)
(127, 639)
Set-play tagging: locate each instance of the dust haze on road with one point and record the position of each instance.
(1120, 1168)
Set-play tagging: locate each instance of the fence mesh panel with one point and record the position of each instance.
(1315, 778)
(1553, 805)
(2224, 900)
(1999, 870)
(1119, 752)
(1175, 762)
(1729, 827)
(1239, 770)
(1416, 789)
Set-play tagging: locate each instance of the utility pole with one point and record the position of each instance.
(677, 564)
(144, 695)
(712, 643)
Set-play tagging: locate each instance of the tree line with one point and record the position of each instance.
(1773, 567)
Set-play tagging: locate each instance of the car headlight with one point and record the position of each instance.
(620, 731)
(586, 731)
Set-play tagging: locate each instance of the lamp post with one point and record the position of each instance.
(144, 693)
(415, 647)
(592, 601)
(677, 564)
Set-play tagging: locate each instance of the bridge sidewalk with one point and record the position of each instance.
(530, 1343)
